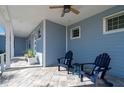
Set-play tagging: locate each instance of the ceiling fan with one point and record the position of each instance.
(66, 9)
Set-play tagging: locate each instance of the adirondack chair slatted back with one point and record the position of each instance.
(101, 61)
(69, 57)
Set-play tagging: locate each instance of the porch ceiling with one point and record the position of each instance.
(26, 18)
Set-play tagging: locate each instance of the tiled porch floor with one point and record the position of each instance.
(36, 76)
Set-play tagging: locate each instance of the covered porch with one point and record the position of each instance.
(50, 36)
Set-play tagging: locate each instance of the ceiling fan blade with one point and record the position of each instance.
(74, 11)
(63, 13)
(52, 7)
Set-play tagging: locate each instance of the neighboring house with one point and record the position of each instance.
(2, 43)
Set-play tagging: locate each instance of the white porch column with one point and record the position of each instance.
(9, 34)
(8, 46)
(12, 42)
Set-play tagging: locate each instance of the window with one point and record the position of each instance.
(39, 34)
(2, 30)
(75, 33)
(114, 23)
(29, 45)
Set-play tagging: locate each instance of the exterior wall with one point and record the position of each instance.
(30, 41)
(55, 42)
(19, 46)
(38, 46)
(39, 42)
(2, 43)
(32, 36)
(93, 42)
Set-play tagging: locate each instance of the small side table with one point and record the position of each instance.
(77, 68)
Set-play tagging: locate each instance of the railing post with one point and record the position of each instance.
(2, 62)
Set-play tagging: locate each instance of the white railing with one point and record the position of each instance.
(2, 62)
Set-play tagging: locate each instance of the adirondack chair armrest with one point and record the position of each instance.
(87, 63)
(103, 69)
(82, 64)
(59, 59)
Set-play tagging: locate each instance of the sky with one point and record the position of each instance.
(2, 29)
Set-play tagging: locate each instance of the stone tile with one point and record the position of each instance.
(62, 84)
(23, 75)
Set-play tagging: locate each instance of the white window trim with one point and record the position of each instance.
(104, 24)
(79, 33)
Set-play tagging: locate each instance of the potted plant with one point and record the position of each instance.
(30, 57)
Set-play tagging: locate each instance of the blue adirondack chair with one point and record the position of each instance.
(66, 61)
(100, 66)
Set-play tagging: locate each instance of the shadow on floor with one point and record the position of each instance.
(20, 68)
(4, 78)
(17, 59)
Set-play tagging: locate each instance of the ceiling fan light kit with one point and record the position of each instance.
(66, 9)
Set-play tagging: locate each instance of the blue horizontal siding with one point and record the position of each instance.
(38, 47)
(55, 42)
(19, 46)
(93, 42)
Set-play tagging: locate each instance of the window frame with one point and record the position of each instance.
(105, 19)
(39, 34)
(72, 29)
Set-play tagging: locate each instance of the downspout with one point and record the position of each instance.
(44, 43)
(66, 38)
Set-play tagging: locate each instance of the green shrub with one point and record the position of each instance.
(29, 53)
